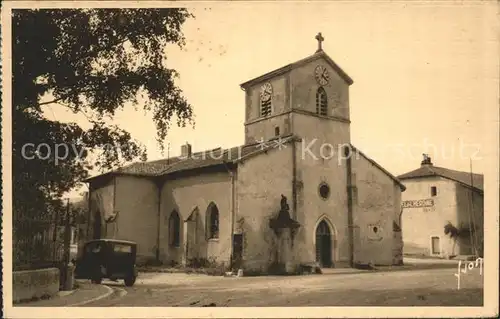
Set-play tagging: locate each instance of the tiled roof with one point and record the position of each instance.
(463, 178)
(206, 158)
(151, 168)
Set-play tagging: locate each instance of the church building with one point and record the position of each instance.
(297, 192)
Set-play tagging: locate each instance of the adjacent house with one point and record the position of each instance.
(442, 212)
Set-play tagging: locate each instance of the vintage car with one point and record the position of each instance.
(107, 258)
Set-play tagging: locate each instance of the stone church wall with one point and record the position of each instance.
(377, 204)
(280, 102)
(325, 136)
(317, 161)
(128, 207)
(265, 129)
(312, 208)
(256, 127)
(185, 195)
(137, 207)
(261, 181)
(101, 205)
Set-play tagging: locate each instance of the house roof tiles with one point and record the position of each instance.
(461, 177)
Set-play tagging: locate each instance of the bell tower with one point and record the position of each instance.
(308, 98)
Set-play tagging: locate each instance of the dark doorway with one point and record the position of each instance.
(436, 245)
(323, 245)
(97, 225)
(237, 250)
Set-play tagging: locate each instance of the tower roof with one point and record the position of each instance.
(317, 55)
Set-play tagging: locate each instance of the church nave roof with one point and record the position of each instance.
(197, 160)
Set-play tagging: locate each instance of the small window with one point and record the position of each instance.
(324, 190)
(433, 191)
(374, 232)
(375, 229)
(277, 131)
(321, 102)
(435, 245)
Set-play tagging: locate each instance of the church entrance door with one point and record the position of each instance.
(323, 245)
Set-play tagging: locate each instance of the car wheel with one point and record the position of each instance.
(129, 281)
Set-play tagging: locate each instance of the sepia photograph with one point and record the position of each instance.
(263, 159)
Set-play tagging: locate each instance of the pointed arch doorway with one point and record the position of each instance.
(324, 244)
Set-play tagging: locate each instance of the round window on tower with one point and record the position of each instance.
(324, 190)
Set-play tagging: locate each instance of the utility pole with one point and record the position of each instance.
(473, 226)
(54, 235)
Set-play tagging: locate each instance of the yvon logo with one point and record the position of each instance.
(468, 266)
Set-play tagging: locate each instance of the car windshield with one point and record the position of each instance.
(121, 248)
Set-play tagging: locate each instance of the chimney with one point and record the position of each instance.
(426, 160)
(186, 150)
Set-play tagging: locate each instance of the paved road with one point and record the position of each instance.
(398, 288)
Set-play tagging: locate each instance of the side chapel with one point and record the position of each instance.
(282, 198)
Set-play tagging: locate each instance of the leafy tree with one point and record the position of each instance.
(456, 233)
(453, 233)
(93, 62)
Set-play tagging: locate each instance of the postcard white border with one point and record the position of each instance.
(491, 211)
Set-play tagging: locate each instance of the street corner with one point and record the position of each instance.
(83, 294)
(174, 279)
(88, 293)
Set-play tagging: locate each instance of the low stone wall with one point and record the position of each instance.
(31, 284)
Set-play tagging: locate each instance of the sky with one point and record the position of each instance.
(425, 75)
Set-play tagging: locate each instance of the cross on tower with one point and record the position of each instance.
(320, 39)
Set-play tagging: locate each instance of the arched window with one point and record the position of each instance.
(321, 102)
(174, 225)
(212, 221)
(266, 92)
